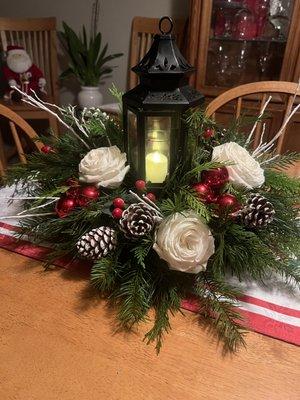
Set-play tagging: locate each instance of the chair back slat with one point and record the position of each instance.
(278, 90)
(18, 123)
(38, 37)
(238, 107)
(19, 147)
(142, 33)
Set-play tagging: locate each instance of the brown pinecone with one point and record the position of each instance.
(97, 243)
(258, 212)
(137, 220)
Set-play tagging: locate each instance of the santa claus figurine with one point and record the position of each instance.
(21, 72)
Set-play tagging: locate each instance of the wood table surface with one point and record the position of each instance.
(57, 342)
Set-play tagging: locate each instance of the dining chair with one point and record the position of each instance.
(38, 37)
(16, 124)
(283, 93)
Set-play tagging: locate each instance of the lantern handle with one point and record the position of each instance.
(160, 25)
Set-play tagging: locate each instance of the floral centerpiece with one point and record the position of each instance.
(227, 209)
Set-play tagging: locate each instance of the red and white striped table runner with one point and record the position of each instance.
(273, 310)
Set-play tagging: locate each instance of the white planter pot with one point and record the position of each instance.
(90, 96)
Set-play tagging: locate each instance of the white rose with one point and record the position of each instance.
(184, 242)
(104, 167)
(245, 171)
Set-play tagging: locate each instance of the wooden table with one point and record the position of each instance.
(57, 343)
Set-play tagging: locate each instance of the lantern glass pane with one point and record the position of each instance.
(132, 138)
(157, 148)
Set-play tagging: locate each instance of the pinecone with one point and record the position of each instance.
(257, 213)
(97, 243)
(137, 220)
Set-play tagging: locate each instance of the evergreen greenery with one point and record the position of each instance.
(134, 279)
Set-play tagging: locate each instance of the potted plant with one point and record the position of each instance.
(88, 63)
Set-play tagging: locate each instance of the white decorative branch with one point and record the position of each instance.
(41, 104)
(258, 119)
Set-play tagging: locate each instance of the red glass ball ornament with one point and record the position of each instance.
(228, 201)
(86, 195)
(73, 192)
(117, 213)
(140, 184)
(208, 133)
(205, 192)
(47, 149)
(90, 192)
(151, 196)
(64, 206)
(216, 177)
(119, 202)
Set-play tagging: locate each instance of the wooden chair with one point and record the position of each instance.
(142, 32)
(15, 122)
(258, 92)
(38, 37)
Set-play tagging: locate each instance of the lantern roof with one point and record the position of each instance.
(164, 56)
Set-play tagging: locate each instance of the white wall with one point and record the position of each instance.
(115, 24)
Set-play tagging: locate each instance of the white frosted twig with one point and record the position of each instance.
(144, 202)
(46, 103)
(28, 198)
(261, 138)
(40, 206)
(25, 216)
(269, 160)
(79, 126)
(266, 147)
(150, 202)
(256, 122)
(40, 104)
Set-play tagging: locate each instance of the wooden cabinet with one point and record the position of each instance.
(232, 42)
(230, 46)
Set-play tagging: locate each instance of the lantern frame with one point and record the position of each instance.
(163, 91)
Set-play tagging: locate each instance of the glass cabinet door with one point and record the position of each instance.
(247, 41)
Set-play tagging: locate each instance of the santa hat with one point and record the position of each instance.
(13, 49)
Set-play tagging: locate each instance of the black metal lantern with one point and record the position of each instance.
(153, 110)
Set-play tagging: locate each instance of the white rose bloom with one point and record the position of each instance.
(104, 167)
(245, 170)
(184, 242)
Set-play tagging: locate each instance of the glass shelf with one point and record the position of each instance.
(247, 41)
(259, 40)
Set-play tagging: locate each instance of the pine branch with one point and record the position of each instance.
(166, 300)
(281, 162)
(217, 302)
(104, 274)
(133, 296)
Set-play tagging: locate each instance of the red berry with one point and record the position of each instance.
(117, 213)
(151, 196)
(208, 133)
(119, 202)
(140, 184)
(47, 149)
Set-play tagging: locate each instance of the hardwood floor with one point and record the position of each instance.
(57, 343)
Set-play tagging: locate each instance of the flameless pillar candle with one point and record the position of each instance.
(156, 167)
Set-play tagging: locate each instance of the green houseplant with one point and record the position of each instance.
(88, 63)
